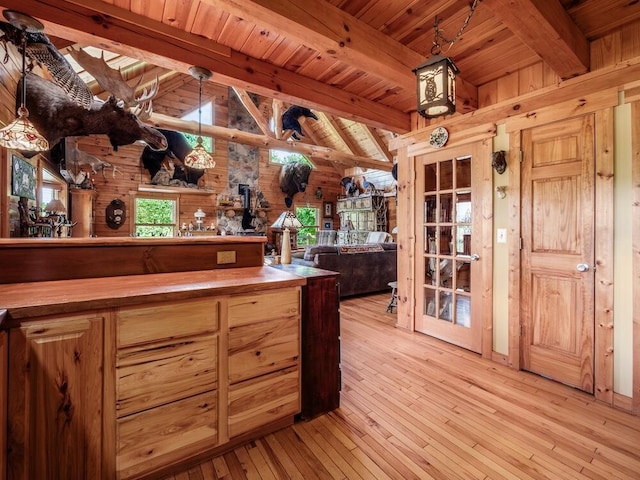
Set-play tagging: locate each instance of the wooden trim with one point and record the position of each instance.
(483, 155)
(515, 192)
(635, 253)
(109, 396)
(4, 400)
(406, 241)
(603, 242)
(622, 402)
(4, 199)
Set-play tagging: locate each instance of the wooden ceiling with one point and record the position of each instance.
(350, 61)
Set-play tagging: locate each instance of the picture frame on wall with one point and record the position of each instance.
(327, 225)
(327, 209)
(23, 178)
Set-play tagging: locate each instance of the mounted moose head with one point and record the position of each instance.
(56, 116)
(294, 178)
(66, 107)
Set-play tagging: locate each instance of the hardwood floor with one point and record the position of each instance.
(413, 407)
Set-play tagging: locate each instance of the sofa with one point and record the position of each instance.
(363, 268)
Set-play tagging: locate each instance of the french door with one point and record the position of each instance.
(448, 226)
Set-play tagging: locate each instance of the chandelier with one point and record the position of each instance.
(199, 157)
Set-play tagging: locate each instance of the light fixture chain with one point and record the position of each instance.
(200, 109)
(438, 35)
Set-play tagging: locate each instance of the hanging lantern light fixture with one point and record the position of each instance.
(199, 157)
(436, 78)
(21, 134)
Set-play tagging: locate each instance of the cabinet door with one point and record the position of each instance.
(55, 406)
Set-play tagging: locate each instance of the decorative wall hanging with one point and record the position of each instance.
(116, 213)
(23, 178)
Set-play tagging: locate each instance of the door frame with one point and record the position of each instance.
(603, 108)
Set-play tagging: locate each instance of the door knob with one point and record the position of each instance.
(582, 267)
(475, 257)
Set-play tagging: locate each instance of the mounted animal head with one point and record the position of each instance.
(499, 161)
(177, 149)
(294, 178)
(56, 116)
(290, 120)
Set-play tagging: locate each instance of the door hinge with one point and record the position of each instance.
(520, 243)
(521, 153)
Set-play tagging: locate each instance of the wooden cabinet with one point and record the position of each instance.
(359, 216)
(167, 364)
(320, 340)
(143, 385)
(55, 405)
(82, 212)
(264, 357)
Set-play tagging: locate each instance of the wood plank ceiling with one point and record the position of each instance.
(350, 61)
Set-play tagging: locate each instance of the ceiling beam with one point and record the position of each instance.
(263, 141)
(379, 143)
(546, 28)
(338, 35)
(94, 22)
(253, 110)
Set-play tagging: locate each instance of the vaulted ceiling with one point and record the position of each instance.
(350, 61)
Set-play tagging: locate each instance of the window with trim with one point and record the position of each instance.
(283, 156)
(308, 216)
(156, 216)
(207, 119)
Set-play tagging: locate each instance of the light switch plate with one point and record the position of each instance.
(501, 235)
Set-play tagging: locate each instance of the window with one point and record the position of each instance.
(155, 217)
(207, 119)
(283, 156)
(308, 216)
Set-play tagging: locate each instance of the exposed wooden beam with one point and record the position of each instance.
(379, 143)
(332, 124)
(548, 30)
(263, 141)
(253, 110)
(93, 22)
(336, 34)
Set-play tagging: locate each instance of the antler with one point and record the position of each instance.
(112, 81)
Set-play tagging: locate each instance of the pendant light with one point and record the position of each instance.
(21, 134)
(436, 78)
(199, 158)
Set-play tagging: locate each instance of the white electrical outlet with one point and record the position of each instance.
(501, 235)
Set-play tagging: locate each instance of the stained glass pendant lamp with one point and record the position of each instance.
(199, 158)
(21, 133)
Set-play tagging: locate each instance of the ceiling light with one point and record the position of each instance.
(436, 78)
(199, 158)
(21, 134)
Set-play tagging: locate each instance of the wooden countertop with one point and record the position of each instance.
(125, 241)
(25, 300)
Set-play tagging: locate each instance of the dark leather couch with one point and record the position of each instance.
(362, 272)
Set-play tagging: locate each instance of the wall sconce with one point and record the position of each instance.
(501, 191)
(499, 161)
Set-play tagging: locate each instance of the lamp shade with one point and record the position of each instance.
(436, 83)
(55, 206)
(22, 135)
(199, 158)
(287, 220)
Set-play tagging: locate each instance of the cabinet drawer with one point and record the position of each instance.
(263, 347)
(142, 325)
(248, 309)
(161, 436)
(262, 400)
(162, 373)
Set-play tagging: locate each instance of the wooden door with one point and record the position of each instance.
(557, 309)
(448, 230)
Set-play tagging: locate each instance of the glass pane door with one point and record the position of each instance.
(447, 225)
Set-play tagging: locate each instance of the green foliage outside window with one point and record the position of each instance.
(192, 140)
(155, 217)
(309, 217)
(281, 156)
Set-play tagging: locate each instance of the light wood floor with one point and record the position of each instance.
(413, 407)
